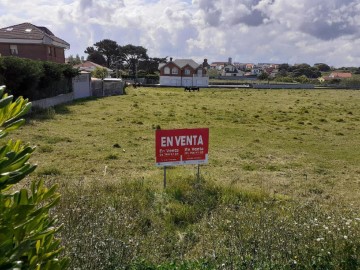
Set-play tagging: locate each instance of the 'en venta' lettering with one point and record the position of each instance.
(191, 140)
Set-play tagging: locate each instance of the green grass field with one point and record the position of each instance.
(281, 190)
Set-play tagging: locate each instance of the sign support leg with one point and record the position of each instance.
(198, 172)
(164, 177)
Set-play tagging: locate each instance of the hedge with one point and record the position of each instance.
(35, 79)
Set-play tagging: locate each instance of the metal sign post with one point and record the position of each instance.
(181, 147)
(198, 172)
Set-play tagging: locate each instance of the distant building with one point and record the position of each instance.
(184, 72)
(90, 66)
(336, 76)
(231, 70)
(34, 42)
(218, 65)
(340, 75)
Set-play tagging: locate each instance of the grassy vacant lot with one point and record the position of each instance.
(281, 190)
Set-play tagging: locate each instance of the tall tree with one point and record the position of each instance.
(322, 67)
(151, 65)
(74, 60)
(97, 58)
(130, 55)
(108, 48)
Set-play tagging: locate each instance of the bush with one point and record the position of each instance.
(100, 73)
(26, 228)
(351, 83)
(21, 75)
(284, 79)
(35, 79)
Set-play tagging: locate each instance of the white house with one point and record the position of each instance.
(231, 70)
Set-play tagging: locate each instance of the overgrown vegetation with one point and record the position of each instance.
(35, 79)
(280, 191)
(26, 228)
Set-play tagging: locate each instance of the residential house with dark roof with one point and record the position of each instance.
(34, 42)
(231, 70)
(184, 72)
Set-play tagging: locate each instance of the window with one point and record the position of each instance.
(174, 71)
(166, 70)
(49, 51)
(187, 71)
(55, 52)
(13, 49)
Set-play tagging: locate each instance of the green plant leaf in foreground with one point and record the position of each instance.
(26, 228)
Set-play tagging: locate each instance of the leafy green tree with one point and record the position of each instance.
(71, 60)
(213, 73)
(100, 73)
(284, 79)
(151, 65)
(285, 67)
(302, 79)
(108, 48)
(263, 76)
(130, 55)
(97, 58)
(306, 70)
(322, 67)
(26, 228)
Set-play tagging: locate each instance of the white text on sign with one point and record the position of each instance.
(182, 141)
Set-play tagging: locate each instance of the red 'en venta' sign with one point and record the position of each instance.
(182, 146)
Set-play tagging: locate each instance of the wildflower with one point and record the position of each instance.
(345, 237)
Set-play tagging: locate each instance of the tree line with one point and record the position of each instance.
(131, 58)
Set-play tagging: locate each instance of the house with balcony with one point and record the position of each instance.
(184, 72)
(34, 42)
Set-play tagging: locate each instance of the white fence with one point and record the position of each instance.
(53, 101)
(185, 81)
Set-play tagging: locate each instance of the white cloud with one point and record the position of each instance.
(248, 30)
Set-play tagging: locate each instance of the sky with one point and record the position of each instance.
(248, 31)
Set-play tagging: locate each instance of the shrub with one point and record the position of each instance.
(100, 73)
(350, 83)
(35, 79)
(21, 75)
(284, 79)
(26, 228)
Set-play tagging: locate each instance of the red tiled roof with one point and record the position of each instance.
(88, 66)
(341, 75)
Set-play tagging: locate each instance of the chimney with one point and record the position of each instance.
(170, 59)
(230, 60)
(205, 63)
